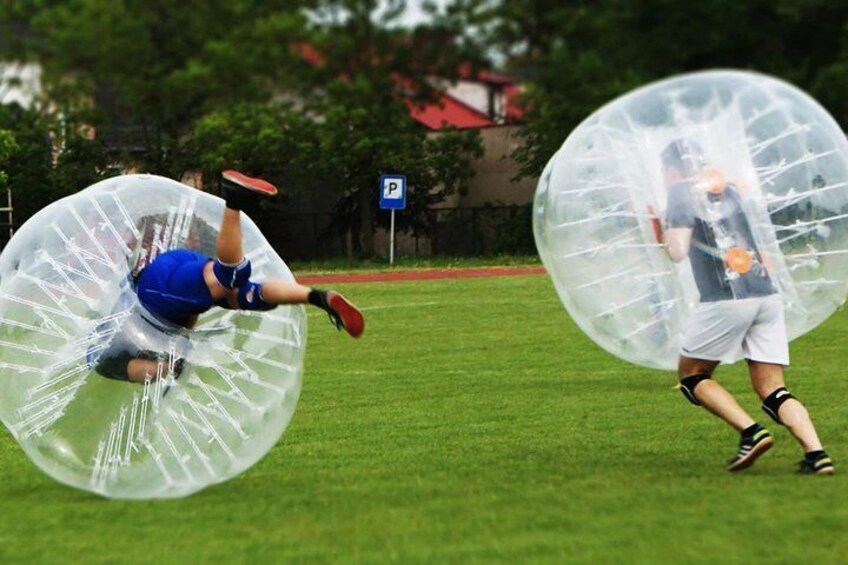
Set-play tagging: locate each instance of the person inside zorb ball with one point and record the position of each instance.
(176, 286)
(153, 341)
(701, 220)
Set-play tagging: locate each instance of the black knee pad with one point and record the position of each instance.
(232, 276)
(772, 403)
(688, 384)
(250, 297)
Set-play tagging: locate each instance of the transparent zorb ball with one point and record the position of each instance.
(223, 392)
(761, 167)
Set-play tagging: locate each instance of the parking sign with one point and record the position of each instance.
(393, 192)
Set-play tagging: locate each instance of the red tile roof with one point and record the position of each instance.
(448, 112)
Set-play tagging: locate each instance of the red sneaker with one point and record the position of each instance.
(258, 186)
(344, 314)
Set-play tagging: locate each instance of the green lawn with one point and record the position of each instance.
(474, 423)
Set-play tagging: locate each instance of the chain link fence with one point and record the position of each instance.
(480, 231)
(455, 232)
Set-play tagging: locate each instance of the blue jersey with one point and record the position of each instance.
(173, 287)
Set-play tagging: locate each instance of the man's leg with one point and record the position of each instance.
(767, 343)
(140, 370)
(342, 312)
(712, 395)
(277, 292)
(767, 380)
(699, 388)
(231, 268)
(228, 244)
(239, 190)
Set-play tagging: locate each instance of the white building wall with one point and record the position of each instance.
(20, 83)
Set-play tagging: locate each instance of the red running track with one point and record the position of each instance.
(421, 275)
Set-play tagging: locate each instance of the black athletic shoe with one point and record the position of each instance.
(236, 180)
(343, 314)
(241, 190)
(750, 448)
(821, 465)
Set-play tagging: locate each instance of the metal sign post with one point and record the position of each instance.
(392, 240)
(392, 197)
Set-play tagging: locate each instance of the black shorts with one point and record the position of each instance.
(139, 335)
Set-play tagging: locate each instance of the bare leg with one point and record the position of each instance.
(229, 250)
(766, 378)
(712, 395)
(276, 291)
(342, 312)
(140, 370)
(228, 244)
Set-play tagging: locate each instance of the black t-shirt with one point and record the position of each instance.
(718, 224)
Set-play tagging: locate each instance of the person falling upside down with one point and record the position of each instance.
(181, 284)
(739, 306)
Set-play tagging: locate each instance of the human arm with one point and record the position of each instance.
(680, 221)
(677, 242)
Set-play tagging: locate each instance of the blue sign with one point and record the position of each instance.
(393, 192)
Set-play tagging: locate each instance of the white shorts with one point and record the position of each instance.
(717, 330)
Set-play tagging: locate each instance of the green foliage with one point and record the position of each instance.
(213, 85)
(515, 234)
(579, 55)
(143, 79)
(7, 147)
(351, 124)
(367, 132)
(37, 174)
(372, 73)
(268, 140)
(28, 166)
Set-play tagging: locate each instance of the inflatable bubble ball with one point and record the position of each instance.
(223, 392)
(753, 160)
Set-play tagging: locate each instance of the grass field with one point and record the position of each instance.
(474, 423)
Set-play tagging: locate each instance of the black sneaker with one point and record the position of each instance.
(821, 465)
(242, 191)
(750, 448)
(343, 314)
(234, 180)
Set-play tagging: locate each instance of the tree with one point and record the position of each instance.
(373, 72)
(578, 55)
(35, 172)
(7, 147)
(343, 153)
(228, 84)
(142, 80)
(28, 164)
(351, 122)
